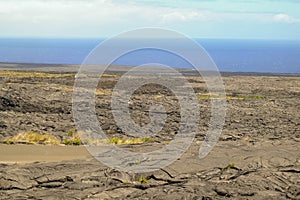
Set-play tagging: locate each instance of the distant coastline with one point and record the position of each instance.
(73, 68)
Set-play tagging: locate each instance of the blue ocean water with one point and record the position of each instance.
(277, 56)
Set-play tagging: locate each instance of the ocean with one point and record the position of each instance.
(235, 55)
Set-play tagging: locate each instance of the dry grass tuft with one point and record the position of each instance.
(71, 89)
(109, 75)
(32, 138)
(103, 92)
(73, 138)
(120, 141)
(60, 88)
(239, 97)
(30, 74)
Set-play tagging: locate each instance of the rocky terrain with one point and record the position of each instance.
(257, 156)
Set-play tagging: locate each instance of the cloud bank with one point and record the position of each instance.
(95, 18)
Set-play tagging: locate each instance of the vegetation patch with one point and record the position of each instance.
(103, 92)
(66, 89)
(32, 138)
(142, 179)
(244, 97)
(71, 89)
(157, 96)
(108, 75)
(228, 167)
(73, 138)
(30, 74)
(120, 141)
(241, 97)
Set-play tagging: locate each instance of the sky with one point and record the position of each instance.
(253, 19)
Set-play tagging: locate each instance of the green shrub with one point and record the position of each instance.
(143, 180)
(74, 138)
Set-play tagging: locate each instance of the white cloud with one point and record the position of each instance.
(285, 18)
(186, 15)
(81, 18)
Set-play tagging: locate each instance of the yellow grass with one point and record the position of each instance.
(32, 138)
(71, 89)
(66, 89)
(109, 75)
(240, 97)
(30, 74)
(120, 141)
(103, 92)
(157, 96)
(73, 138)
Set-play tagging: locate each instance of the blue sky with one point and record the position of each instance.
(269, 19)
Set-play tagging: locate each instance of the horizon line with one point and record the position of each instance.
(104, 38)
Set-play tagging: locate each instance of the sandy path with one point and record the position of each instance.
(41, 153)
